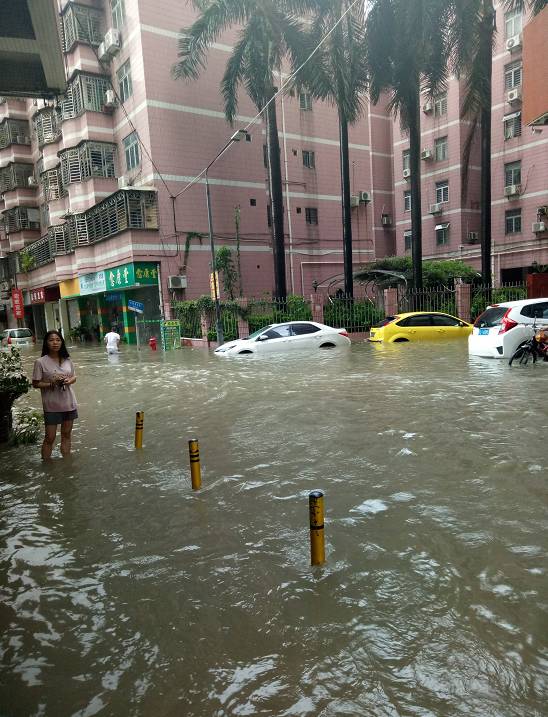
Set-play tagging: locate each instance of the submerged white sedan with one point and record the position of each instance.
(289, 336)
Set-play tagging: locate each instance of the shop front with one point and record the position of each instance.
(44, 312)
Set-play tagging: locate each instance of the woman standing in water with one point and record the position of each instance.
(54, 375)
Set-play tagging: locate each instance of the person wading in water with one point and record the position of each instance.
(54, 375)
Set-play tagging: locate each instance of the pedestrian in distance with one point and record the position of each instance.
(112, 341)
(54, 375)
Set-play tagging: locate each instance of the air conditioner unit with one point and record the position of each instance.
(426, 154)
(513, 43)
(31, 181)
(513, 95)
(542, 211)
(112, 41)
(436, 208)
(386, 220)
(512, 190)
(22, 139)
(472, 237)
(110, 99)
(123, 182)
(102, 53)
(365, 197)
(355, 200)
(406, 173)
(538, 227)
(427, 107)
(176, 282)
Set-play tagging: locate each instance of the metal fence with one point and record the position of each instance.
(429, 299)
(261, 312)
(482, 296)
(354, 316)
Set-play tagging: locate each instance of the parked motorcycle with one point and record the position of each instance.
(536, 347)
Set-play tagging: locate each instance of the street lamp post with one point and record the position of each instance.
(218, 319)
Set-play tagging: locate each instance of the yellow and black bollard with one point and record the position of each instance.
(195, 469)
(317, 539)
(139, 427)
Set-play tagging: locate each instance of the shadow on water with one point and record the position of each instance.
(125, 593)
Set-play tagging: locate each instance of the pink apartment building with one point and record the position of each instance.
(519, 171)
(95, 200)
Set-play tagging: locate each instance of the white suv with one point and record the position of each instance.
(503, 327)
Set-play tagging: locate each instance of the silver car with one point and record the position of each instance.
(17, 337)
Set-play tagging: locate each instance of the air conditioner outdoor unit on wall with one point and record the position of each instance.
(31, 182)
(110, 99)
(365, 197)
(435, 208)
(355, 200)
(123, 182)
(426, 154)
(176, 282)
(427, 107)
(513, 43)
(513, 95)
(112, 41)
(386, 220)
(472, 238)
(406, 173)
(538, 227)
(102, 53)
(512, 190)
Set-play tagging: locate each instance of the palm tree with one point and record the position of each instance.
(472, 34)
(337, 74)
(406, 55)
(270, 29)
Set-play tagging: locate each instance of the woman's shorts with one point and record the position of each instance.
(53, 418)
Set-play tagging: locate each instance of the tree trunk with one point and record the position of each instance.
(485, 181)
(276, 203)
(6, 421)
(346, 208)
(415, 167)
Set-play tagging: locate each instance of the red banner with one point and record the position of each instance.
(17, 304)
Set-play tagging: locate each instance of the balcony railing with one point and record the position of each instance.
(21, 218)
(14, 131)
(15, 176)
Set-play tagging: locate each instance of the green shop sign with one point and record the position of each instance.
(142, 273)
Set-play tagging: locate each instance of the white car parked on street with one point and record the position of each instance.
(289, 336)
(503, 327)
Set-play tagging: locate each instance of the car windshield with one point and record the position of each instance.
(259, 332)
(491, 317)
(21, 333)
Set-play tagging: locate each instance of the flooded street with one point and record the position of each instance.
(125, 593)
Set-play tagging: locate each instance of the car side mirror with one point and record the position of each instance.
(262, 338)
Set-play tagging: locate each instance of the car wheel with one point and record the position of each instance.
(327, 346)
(241, 353)
(400, 341)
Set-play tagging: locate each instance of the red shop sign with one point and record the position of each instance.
(17, 303)
(37, 296)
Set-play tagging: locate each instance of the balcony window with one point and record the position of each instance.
(309, 159)
(442, 192)
(305, 101)
(512, 75)
(131, 149)
(46, 125)
(88, 159)
(407, 201)
(14, 131)
(440, 105)
(513, 21)
(118, 13)
(21, 218)
(512, 220)
(311, 216)
(125, 85)
(52, 186)
(442, 234)
(512, 125)
(84, 93)
(512, 173)
(441, 149)
(15, 176)
(407, 240)
(81, 23)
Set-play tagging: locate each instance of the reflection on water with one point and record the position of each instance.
(125, 593)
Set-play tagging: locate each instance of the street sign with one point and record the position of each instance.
(136, 306)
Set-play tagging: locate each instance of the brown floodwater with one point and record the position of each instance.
(124, 593)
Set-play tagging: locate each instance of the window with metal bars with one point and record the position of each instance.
(47, 126)
(512, 75)
(15, 176)
(88, 159)
(442, 192)
(406, 159)
(407, 240)
(311, 215)
(84, 93)
(131, 149)
(52, 185)
(441, 149)
(305, 101)
(512, 221)
(440, 105)
(513, 21)
(512, 173)
(14, 131)
(407, 201)
(118, 13)
(81, 24)
(512, 125)
(21, 218)
(125, 85)
(309, 159)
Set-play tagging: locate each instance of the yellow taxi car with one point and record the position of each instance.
(419, 326)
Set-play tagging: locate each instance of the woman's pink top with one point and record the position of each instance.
(57, 399)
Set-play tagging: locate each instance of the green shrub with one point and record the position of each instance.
(27, 424)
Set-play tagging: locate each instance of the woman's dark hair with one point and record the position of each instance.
(63, 353)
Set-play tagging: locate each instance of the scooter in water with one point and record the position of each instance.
(536, 347)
